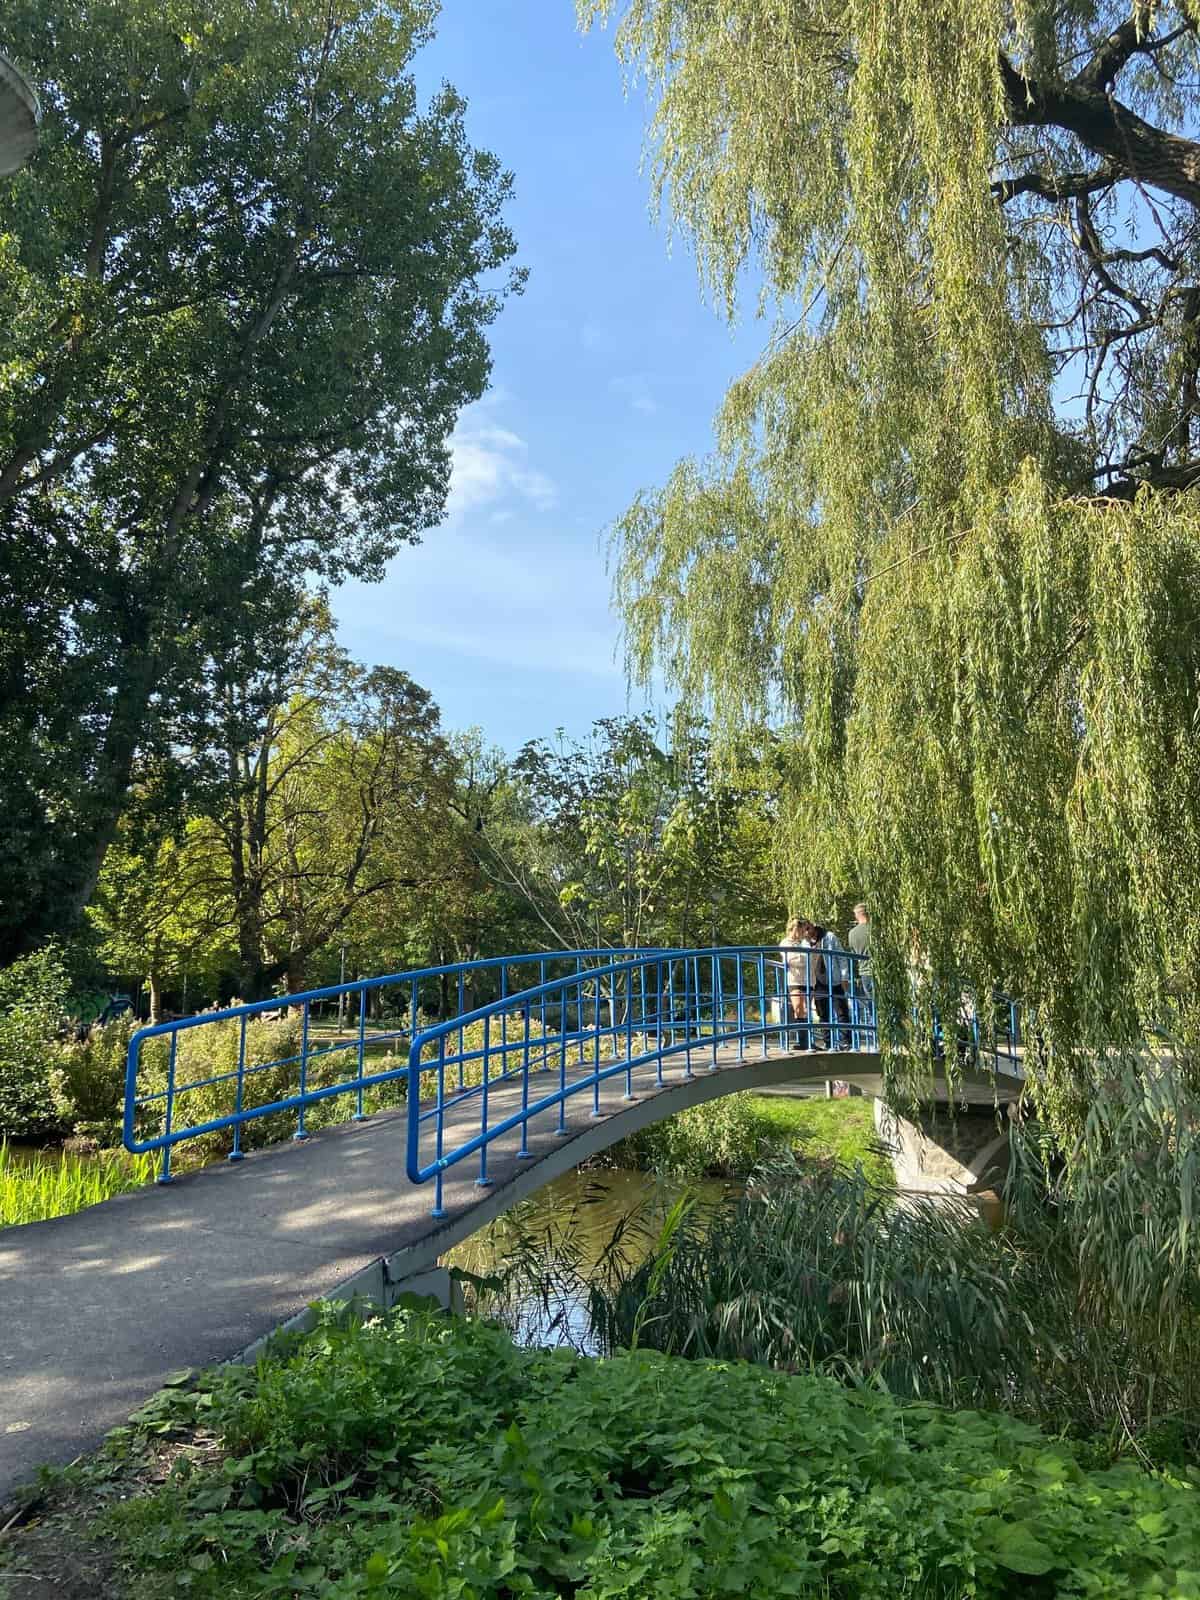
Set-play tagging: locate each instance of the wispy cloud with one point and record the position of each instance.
(636, 390)
(500, 582)
(490, 465)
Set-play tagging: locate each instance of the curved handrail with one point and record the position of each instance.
(658, 1021)
(628, 1008)
(301, 1003)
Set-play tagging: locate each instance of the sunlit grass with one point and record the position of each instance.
(45, 1184)
(841, 1130)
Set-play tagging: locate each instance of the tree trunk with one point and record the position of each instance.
(154, 983)
(297, 963)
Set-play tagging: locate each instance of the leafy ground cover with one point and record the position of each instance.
(424, 1456)
(43, 1184)
(810, 1267)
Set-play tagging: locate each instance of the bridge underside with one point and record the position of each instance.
(99, 1307)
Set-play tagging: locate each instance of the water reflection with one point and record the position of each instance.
(593, 1222)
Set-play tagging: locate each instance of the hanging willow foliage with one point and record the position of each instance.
(949, 534)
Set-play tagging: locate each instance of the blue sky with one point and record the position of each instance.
(607, 370)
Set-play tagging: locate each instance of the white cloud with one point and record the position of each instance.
(498, 582)
(489, 465)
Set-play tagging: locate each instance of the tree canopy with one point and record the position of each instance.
(244, 292)
(949, 530)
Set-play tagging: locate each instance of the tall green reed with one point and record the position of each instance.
(48, 1184)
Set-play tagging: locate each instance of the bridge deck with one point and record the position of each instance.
(98, 1308)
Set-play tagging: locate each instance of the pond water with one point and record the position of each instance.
(590, 1218)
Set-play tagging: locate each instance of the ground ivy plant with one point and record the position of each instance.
(423, 1456)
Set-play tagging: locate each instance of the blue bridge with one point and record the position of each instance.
(560, 1035)
(371, 1126)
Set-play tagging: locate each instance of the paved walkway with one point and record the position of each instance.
(96, 1309)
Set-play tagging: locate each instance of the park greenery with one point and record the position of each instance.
(813, 1266)
(927, 614)
(36, 1187)
(423, 1455)
(730, 1137)
(245, 290)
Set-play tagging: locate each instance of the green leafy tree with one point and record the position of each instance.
(460, 905)
(337, 801)
(244, 290)
(165, 914)
(950, 528)
(633, 841)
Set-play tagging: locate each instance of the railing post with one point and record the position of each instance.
(641, 971)
(629, 1094)
(763, 1014)
(461, 1035)
(687, 1018)
(562, 1129)
(596, 1053)
(439, 1124)
(301, 1132)
(165, 1175)
(832, 1035)
(658, 1023)
(483, 1181)
(236, 1154)
(716, 986)
(523, 1153)
(671, 1002)
(741, 1005)
(439, 1209)
(783, 995)
(362, 1054)
(542, 1013)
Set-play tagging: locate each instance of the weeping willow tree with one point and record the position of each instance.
(950, 530)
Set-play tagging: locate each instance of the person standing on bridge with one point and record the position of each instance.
(796, 950)
(829, 986)
(858, 941)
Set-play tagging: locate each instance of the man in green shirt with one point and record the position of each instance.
(859, 941)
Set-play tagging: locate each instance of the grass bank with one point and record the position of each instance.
(422, 1456)
(730, 1137)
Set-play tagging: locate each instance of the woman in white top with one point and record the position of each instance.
(797, 961)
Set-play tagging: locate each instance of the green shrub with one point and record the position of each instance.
(210, 1053)
(88, 1080)
(724, 1138)
(84, 1085)
(33, 993)
(424, 1456)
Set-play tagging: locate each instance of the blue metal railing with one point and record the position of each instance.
(170, 1097)
(645, 1011)
(560, 1026)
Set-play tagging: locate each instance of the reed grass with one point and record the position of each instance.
(45, 1184)
(819, 1270)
